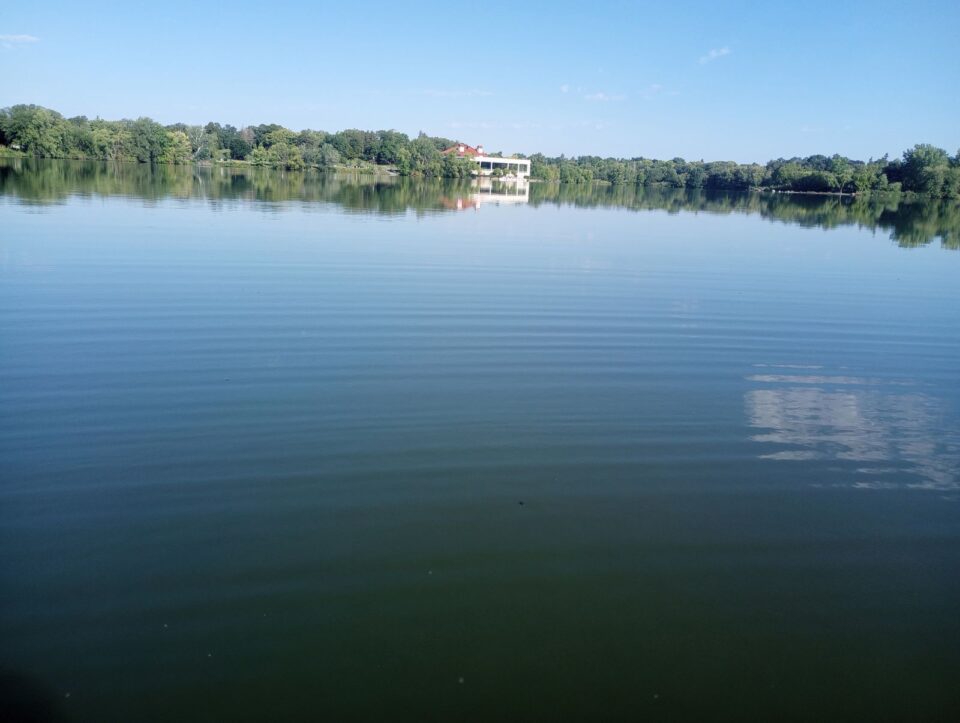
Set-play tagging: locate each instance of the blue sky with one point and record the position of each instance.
(742, 81)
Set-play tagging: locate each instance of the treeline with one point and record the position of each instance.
(923, 169)
(36, 131)
(44, 133)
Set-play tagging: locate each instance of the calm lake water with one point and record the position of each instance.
(278, 446)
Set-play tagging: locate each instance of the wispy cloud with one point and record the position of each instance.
(565, 88)
(8, 41)
(488, 125)
(651, 91)
(19, 39)
(597, 125)
(460, 93)
(602, 97)
(714, 54)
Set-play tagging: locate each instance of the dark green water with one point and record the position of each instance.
(281, 447)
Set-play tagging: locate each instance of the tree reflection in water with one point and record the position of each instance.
(910, 221)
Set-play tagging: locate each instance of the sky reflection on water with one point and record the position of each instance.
(903, 440)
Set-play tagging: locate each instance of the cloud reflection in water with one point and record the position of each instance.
(904, 439)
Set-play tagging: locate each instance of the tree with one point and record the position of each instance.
(37, 130)
(177, 148)
(280, 136)
(840, 168)
(925, 169)
(329, 156)
(148, 140)
(787, 174)
(260, 131)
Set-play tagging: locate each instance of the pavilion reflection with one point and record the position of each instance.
(488, 191)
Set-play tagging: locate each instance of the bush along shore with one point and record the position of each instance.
(35, 131)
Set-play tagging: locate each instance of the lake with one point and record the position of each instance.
(280, 446)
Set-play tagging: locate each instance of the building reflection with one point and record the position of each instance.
(891, 436)
(489, 192)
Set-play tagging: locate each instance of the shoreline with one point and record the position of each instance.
(386, 171)
(30, 129)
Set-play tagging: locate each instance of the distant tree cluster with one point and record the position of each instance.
(923, 169)
(36, 131)
(44, 133)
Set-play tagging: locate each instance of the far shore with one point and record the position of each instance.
(393, 172)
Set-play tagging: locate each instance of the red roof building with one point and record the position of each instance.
(462, 150)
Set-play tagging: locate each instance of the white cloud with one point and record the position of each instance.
(8, 41)
(603, 97)
(19, 39)
(714, 54)
(463, 93)
(564, 88)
